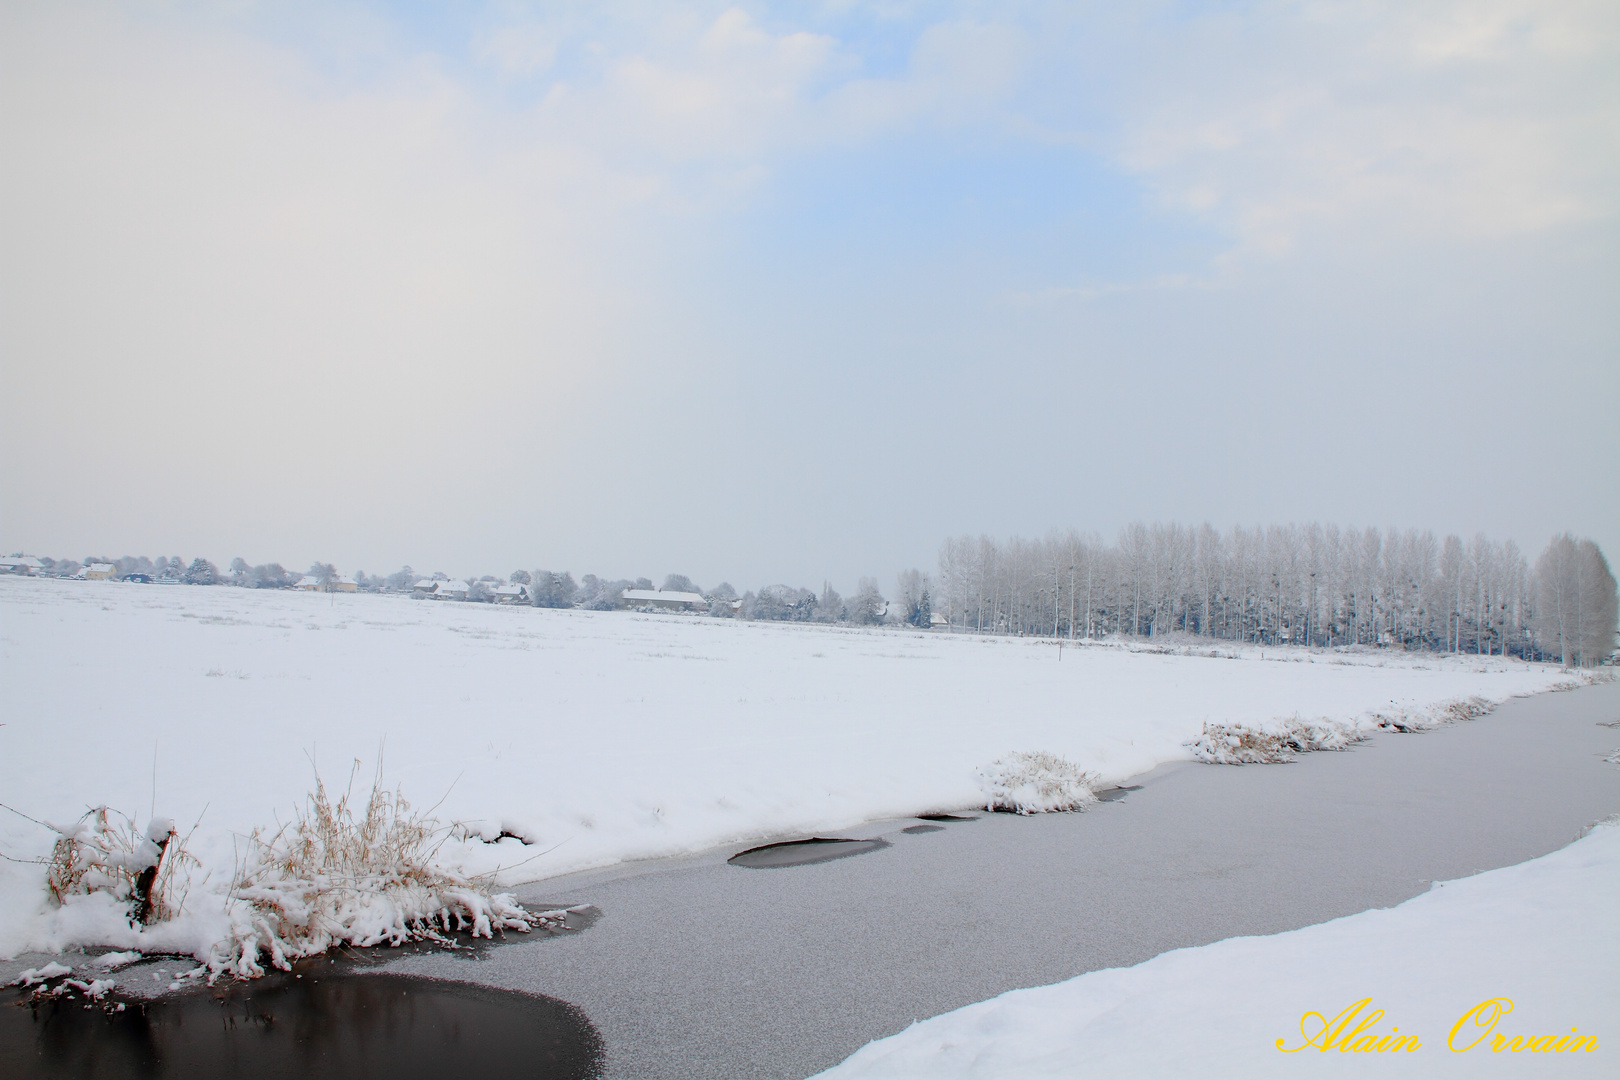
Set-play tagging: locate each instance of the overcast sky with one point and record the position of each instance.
(790, 292)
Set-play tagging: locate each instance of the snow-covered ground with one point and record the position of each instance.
(1542, 934)
(601, 736)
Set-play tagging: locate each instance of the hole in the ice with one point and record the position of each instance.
(947, 817)
(310, 1028)
(817, 849)
(914, 829)
(1120, 792)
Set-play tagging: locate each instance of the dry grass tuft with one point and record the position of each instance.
(1243, 744)
(1036, 783)
(1450, 712)
(333, 878)
(104, 851)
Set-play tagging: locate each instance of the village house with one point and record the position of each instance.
(25, 565)
(431, 589)
(311, 583)
(663, 601)
(98, 572)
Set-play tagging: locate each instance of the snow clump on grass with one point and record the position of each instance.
(330, 878)
(1245, 744)
(1036, 783)
(104, 852)
(1449, 712)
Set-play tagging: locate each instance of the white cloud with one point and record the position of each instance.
(520, 50)
(1475, 120)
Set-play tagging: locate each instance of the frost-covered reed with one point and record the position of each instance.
(1036, 783)
(104, 851)
(332, 878)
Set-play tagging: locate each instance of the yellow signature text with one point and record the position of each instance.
(1350, 1032)
(1479, 1023)
(1354, 1030)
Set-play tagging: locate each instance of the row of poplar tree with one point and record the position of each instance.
(1287, 584)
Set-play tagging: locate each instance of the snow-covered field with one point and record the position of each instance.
(601, 736)
(1542, 935)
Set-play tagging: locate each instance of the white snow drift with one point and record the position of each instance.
(586, 738)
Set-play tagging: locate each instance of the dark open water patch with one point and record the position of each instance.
(1114, 794)
(817, 849)
(317, 1027)
(915, 829)
(947, 817)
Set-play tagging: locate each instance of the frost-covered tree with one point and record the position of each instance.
(201, 572)
(401, 580)
(240, 570)
(829, 606)
(324, 574)
(681, 583)
(722, 600)
(519, 577)
(269, 576)
(912, 594)
(1311, 584)
(597, 594)
(781, 603)
(1575, 602)
(867, 607)
(549, 590)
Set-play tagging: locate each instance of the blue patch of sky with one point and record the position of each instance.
(1013, 215)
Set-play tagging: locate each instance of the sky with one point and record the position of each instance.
(791, 292)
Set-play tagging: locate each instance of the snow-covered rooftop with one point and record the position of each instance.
(648, 596)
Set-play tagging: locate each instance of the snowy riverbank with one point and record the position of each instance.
(1541, 935)
(600, 736)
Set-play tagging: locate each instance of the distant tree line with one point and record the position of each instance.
(544, 588)
(1287, 584)
(1318, 585)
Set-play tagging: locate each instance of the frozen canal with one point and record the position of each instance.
(702, 969)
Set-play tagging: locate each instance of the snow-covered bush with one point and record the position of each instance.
(104, 852)
(1246, 744)
(330, 878)
(1450, 712)
(1036, 783)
